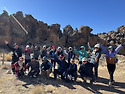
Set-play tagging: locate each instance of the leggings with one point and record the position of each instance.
(111, 69)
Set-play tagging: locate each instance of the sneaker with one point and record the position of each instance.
(110, 83)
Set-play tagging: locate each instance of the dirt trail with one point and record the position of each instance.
(10, 85)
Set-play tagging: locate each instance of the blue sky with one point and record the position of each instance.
(100, 15)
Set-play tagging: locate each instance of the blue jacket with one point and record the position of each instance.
(111, 54)
(52, 54)
(46, 66)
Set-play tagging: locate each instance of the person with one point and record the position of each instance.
(34, 64)
(46, 67)
(19, 68)
(96, 54)
(110, 59)
(17, 52)
(36, 52)
(27, 55)
(62, 68)
(59, 52)
(53, 55)
(72, 70)
(82, 53)
(43, 51)
(70, 53)
(86, 71)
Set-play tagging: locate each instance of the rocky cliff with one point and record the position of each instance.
(41, 33)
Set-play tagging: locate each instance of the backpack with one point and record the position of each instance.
(116, 59)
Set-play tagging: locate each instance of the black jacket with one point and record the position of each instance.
(16, 53)
(86, 69)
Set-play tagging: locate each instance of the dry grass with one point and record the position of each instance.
(8, 57)
(38, 90)
(4, 67)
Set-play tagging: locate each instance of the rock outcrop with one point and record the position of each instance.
(41, 33)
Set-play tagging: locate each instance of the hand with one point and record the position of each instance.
(84, 78)
(64, 73)
(88, 43)
(6, 42)
(32, 70)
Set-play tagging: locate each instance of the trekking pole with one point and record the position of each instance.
(3, 59)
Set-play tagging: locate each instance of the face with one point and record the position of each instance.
(72, 61)
(84, 62)
(33, 59)
(96, 48)
(61, 58)
(59, 50)
(16, 46)
(110, 49)
(21, 59)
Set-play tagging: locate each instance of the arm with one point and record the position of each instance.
(103, 49)
(51, 65)
(118, 48)
(90, 47)
(76, 51)
(65, 52)
(11, 48)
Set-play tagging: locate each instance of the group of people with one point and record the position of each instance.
(65, 61)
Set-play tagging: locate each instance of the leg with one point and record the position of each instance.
(111, 69)
(96, 70)
(13, 68)
(55, 73)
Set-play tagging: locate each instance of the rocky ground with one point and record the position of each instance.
(10, 85)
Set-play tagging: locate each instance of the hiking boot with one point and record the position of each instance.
(85, 81)
(91, 82)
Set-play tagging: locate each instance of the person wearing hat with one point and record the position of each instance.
(36, 52)
(27, 55)
(43, 51)
(59, 52)
(86, 70)
(19, 68)
(34, 64)
(96, 54)
(46, 67)
(53, 56)
(17, 52)
(82, 53)
(110, 59)
(70, 53)
(72, 70)
(62, 68)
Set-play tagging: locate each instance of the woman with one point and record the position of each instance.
(110, 59)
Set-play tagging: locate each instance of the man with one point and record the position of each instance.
(62, 68)
(34, 64)
(86, 70)
(19, 68)
(46, 67)
(72, 70)
(17, 52)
